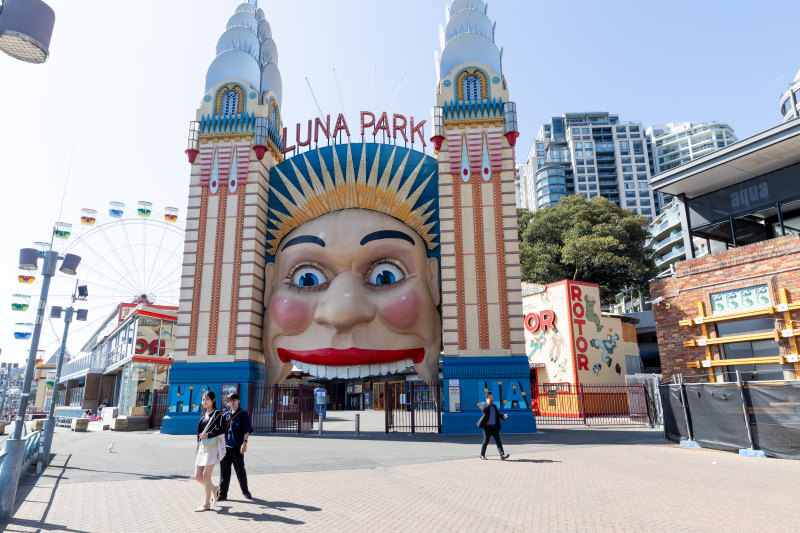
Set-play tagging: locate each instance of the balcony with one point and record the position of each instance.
(85, 364)
(676, 252)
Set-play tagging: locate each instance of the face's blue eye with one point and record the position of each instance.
(308, 277)
(384, 274)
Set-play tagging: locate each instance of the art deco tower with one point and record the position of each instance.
(233, 143)
(475, 129)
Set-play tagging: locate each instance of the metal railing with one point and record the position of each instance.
(281, 408)
(95, 360)
(591, 405)
(413, 406)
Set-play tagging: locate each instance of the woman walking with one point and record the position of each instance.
(209, 427)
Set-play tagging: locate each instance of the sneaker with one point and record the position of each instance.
(248, 495)
(483, 457)
(503, 457)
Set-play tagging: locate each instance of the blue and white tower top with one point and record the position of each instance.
(467, 37)
(246, 51)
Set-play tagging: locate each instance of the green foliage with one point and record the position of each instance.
(587, 240)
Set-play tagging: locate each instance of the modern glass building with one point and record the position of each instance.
(790, 99)
(677, 143)
(592, 154)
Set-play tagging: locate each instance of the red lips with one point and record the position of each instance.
(350, 356)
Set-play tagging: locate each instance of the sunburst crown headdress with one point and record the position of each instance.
(400, 187)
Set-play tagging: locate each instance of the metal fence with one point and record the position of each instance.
(591, 405)
(414, 407)
(160, 408)
(281, 408)
(735, 416)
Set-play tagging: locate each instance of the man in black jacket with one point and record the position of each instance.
(237, 430)
(490, 424)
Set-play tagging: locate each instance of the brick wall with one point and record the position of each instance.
(775, 262)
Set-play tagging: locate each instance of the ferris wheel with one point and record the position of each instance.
(128, 256)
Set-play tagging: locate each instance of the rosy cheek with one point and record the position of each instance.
(402, 312)
(290, 315)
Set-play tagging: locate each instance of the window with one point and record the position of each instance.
(627, 168)
(592, 187)
(641, 176)
(230, 103)
(620, 129)
(633, 128)
(540, 161)
(645, 201)
(630, 194)
(626, 160)
(624, 148)
(644, 194)
(540, 153)
(647, 211)
(638, 147)
(642, 184)
(579, 161)
(472, 88)
(639, 160)
(641, 168)
(582, 179)
(582, 187)
(273, 114)
(627, 177)
(581, 170)
(631, 203)
(587, 147)
(630, 186)
(590, 161)
(539, 146)
(749, 349)
(585, 131)
(590, 169)
(578, 149)
(576, 131)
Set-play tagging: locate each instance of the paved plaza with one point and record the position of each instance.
(562, 479)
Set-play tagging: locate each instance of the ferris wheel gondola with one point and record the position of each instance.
(135, 258)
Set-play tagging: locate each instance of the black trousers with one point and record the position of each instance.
(491, 431)
(233, 455)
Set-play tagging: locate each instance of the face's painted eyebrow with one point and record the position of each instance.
(386, 234)
(302, 239)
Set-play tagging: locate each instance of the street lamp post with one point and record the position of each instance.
(11, 467)
(56, 312)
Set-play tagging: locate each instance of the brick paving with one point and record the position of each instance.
(563, 481)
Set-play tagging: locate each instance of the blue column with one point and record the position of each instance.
(466, 380)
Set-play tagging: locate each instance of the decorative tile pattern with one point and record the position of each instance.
(219, 245)
(237, 269)
(198, 274)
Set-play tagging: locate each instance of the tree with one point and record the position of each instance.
(588, 240)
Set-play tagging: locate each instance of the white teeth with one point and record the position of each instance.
(353, 371)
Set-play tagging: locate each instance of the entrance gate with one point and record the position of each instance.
(281, 408)
(413, 407)
(590, 405)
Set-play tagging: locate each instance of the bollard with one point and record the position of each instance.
(320, 424)
(358, 424)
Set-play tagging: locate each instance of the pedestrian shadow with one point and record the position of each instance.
(139, 475)
(266, 517)
(531, 461)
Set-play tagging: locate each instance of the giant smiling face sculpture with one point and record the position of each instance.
(351, 294)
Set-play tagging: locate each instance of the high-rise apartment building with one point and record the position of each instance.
(790, 99)
(677, 143)
(591, 154)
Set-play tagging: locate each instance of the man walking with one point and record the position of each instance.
(237, 430)
(490, 424)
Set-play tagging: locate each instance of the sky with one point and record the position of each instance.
(106, 118)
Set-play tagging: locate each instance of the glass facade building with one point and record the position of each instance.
(791, 99)
(591, 154)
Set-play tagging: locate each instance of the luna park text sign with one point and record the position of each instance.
(399, 126)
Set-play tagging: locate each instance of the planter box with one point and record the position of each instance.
(79, 424)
